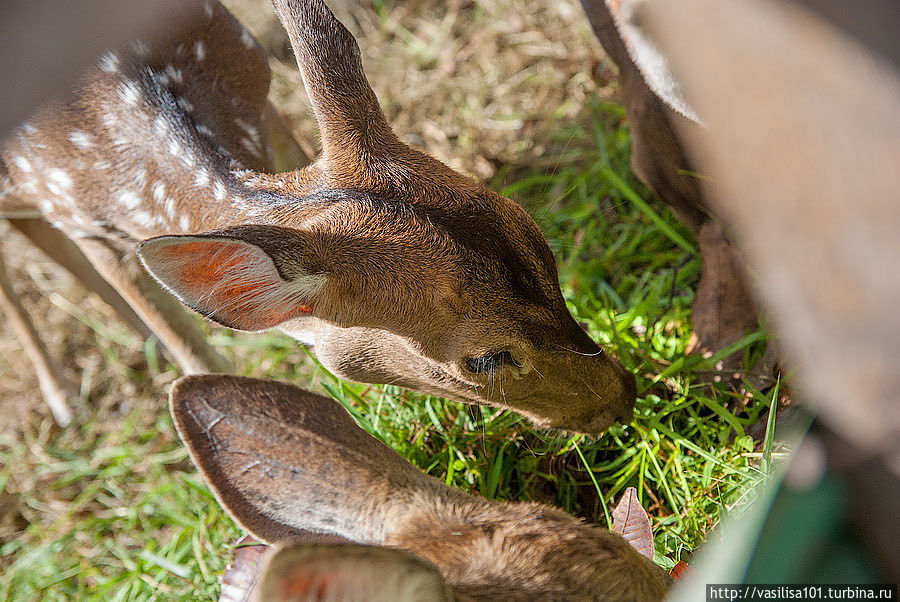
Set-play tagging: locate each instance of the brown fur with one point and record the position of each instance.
(282, 460)
(724, 309)
(802, 149)
(425, 270)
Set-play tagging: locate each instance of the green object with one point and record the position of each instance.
(806, 539)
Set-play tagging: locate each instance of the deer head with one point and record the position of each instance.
(398, 269)
(286, 463)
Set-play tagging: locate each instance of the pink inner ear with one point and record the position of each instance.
(232, 282)
(305, 585)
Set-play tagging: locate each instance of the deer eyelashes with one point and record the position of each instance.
(491, 362)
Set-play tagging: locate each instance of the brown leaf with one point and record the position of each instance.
(679, 570)
(631, 522)
(241, 575)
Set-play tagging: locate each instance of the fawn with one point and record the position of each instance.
(394, 267)
(289, 465)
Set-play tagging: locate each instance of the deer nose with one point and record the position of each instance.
(618, 394)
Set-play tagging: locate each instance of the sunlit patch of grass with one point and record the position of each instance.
(120, 513)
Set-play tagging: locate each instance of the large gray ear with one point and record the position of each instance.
(284, 462)
(650, 61)
(350, 573)
(247, 277)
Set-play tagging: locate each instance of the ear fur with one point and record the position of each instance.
(284, 462)
(232, 278)
(652, 64)
(351, 573)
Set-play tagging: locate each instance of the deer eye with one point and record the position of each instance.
(490, 362)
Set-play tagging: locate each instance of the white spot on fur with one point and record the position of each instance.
(170, 208)
(201, 178)
(140, 178)
(56, 190)
(188, 159)
(251, 148)
(247, 38)
(140, 47)
(174, 74)
(109, 120)
(60, 178)
(109, 62)
(161, 125)
(129, 93)
(199, 50)
(175, 148)
(208, 9)
(23, 163)
(159, 191)
(205, 131)
(128, 199)
(142, 218)
(80, 139)
(161, 78)
(251, 130)
(184, 223)
(101, 165)
(219, 191)
(28, 128)
(185, 105)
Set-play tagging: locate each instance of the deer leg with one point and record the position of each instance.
(67, 254)
(54, 387)
(724, 309)
(159, 310)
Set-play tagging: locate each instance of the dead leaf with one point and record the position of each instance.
(241, 575)
(631, 522)
(679, 570)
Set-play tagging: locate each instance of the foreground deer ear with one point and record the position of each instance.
(285, 462)
(351, 573)
(246, 278)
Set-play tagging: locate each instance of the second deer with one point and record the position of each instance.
(289, 465)
(396, 268)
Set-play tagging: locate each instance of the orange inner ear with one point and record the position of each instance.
(307, 586)
(208, 263)
(210, 270)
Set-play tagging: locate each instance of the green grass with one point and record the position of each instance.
(120, 514)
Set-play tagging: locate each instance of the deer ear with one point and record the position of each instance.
(349, 572)
(285, 462)
(246, 278)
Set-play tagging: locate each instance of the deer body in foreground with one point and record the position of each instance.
(285, 462)
(397, 269)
